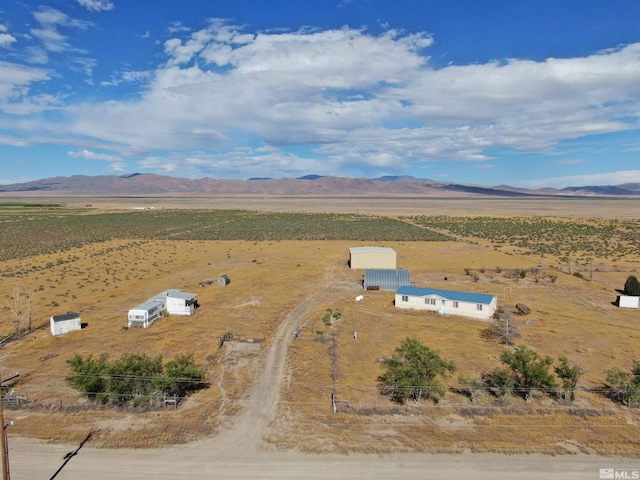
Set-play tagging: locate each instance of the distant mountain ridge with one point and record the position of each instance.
(149, 184)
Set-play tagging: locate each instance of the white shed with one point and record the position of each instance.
(64, 323)
(372, 257)
(475, 305)
(628, 301)
(181, 303)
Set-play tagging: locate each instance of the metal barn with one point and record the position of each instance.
(372, 257)
(385, 279)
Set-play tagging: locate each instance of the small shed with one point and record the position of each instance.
(181, 303)
(385, 279)
(64, 323)
(372, 257)
(628, 301)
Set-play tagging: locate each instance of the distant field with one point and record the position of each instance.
(559, 239)
(103, 261)
(28, 205)
(569, 207)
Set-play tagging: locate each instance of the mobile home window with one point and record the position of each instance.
(405, 298)
(455, 304)
(479, 307)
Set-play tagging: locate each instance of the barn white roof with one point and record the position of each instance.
(371, 250)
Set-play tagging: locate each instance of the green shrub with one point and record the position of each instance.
(134, 379)
(632, 286)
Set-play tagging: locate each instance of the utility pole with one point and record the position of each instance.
(3, 441)
(4, 445)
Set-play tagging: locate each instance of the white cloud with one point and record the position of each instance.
(116, 162)
(6, 39)
(12, 141)
(15, 89)
(237, 163)
(571, 161)
(349, 99)
(96, 5)
(128, 77)
(51, 20)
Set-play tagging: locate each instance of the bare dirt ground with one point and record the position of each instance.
(239, 450)
(267, 416)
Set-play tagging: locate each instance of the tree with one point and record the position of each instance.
(134, 376)
(89, 375)
(499, 382)
(632, 286)
(134, 379)
(624, 387)
(569, 376)
(412, 370)
(471, 386)
(182, 375)
(530, 370)
(16, 299)
(505, 327)
(30, 296)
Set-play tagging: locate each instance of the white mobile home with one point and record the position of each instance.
(372, 257)
(67, 322)
(447, 302)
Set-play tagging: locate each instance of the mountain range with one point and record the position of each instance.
(148, 184)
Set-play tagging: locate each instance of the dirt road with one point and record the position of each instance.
(239, 452)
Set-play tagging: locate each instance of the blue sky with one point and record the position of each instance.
(527, 93)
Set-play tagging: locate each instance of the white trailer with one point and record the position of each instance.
(146, 313)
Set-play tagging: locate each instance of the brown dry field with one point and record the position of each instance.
(570, 317)
(576, 207)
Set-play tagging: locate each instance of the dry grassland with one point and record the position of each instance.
(570, 316)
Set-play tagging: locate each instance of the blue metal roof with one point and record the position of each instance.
(468, 297)
(386, 278)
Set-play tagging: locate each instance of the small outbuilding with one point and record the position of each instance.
(65, 323)
(628, 301)
(181, 303)
(372, 257)
(385, 279)
(447, 302)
